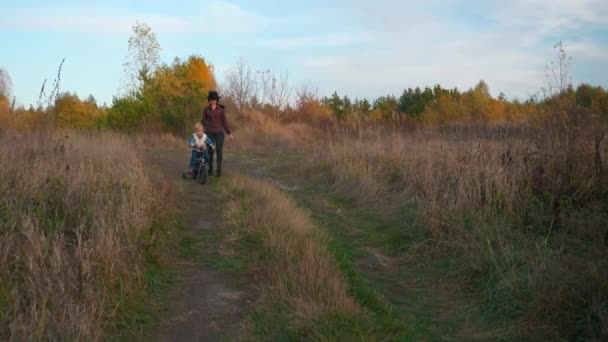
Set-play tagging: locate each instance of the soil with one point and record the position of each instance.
(205, 305)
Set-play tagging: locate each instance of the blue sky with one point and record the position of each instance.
(362, 48)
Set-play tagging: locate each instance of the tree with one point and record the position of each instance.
(336, 105)
(142, 59)
(196, 69)
(241, 84)
(305, 93)
(415, 101)
(594, 98)
(277, 91)
(362, 106)
(347, 105)
(308, 105)
(179, 91)
(406, 101)
(482, 88)
(386, 106)
(6, 85)
(584, 95)
(73, 112)
(557, 73)
(476, 101)
(125, 113)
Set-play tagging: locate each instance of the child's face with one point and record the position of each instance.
(199, 131)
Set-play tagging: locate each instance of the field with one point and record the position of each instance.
(498, 221)
(361, 231)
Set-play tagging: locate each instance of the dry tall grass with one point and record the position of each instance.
(256, 131)
(303, 273)
(522, 209)
(447, 173)
(20, 119)
(525, 209)
(76, 215)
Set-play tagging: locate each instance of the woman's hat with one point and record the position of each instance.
(213, 95)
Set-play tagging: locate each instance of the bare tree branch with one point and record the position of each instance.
(557, 75)
(143, 57)
(6, 83)
(241, 84)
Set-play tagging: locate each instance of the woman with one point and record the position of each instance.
(214, 120)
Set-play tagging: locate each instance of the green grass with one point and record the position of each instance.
(481, 285)
(141, 315)
(411, 299)
(212, 243)
(272, 322)
(420, 297)
(386, 319)
(224, 249)
(189, 247)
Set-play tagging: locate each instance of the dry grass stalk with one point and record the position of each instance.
(304, 274)
(76, 214)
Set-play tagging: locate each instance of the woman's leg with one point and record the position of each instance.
(211, 151)
(219, 148)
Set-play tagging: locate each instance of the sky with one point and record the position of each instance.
(360, 48)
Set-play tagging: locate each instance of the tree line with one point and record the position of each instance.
(442, 105)
(171, 96)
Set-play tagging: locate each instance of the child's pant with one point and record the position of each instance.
(193, 158)
(195, 155)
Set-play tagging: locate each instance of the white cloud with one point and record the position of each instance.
(420, 47)
(454, 64)
(587, 50)
(550, 17)
(225, 17)
(213, 16)
(87, 19)
(329, 40)
(558, 11)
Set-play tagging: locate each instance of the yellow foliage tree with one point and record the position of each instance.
(198, 70)
(73, 112)
(446, 109)
(181, 91)
(310, 109)
(495, 111)
(183, 77)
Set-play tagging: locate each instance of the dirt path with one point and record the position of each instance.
(204, 304)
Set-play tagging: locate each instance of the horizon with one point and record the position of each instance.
(354, 48)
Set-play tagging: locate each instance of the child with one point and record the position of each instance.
(198, 143)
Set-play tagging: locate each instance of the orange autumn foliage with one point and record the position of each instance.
(73, 112)
(185, 75)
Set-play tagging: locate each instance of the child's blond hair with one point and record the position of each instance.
(198, 125)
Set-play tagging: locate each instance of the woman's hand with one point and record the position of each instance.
(230, 137)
